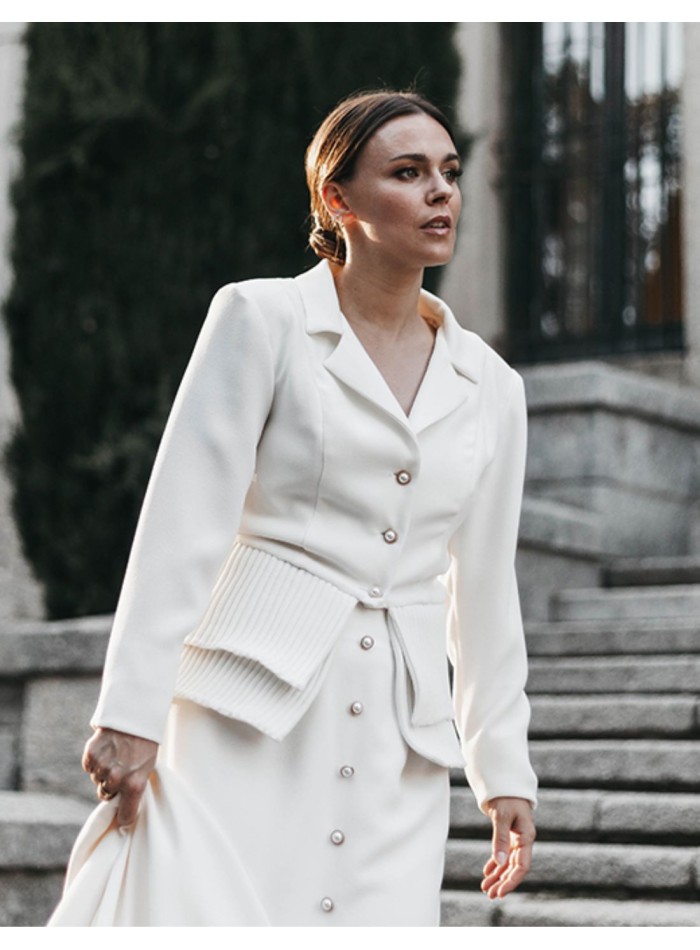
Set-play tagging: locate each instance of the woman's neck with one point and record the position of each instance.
(377, 296)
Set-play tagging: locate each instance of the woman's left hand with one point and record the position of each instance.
(513, 837)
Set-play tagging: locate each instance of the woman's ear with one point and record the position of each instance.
(335, 201)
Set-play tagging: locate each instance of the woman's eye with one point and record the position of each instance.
(407, 173)
(452, 174)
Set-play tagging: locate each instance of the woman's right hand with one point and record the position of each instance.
(120, 764)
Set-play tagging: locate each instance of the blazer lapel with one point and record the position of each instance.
(352, 365)
(453, 370)
(348, 361)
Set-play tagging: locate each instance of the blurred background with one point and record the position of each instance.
(143, 165)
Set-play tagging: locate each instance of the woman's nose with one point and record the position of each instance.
(439, 190)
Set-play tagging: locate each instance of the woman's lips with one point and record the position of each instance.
(438, 225)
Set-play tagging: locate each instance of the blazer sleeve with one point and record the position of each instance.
(486, 642)
(190, 513)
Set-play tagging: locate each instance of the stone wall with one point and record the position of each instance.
(620, 445)
(20, 595)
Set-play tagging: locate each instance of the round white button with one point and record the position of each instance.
(367, 643)
(403, 477)
(356, 708)
(337, 836)
(347, 771)
(327, 905)
(375, 592)
(390, 536)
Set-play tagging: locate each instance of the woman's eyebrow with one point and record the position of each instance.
(421, 157)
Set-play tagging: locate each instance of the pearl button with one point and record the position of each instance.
(367, 643)
(327, 905)
(403, 477)
(337, 836)
(356, 708)
(375, 592)
(390, 536)
(347, 771)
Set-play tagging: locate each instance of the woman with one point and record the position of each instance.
(275, 706)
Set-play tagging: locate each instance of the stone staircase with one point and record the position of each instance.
(49, 676)
(615, 690)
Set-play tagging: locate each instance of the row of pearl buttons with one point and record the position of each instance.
(347, 771)
(390, 536)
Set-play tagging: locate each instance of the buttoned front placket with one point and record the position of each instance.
(365, 644)
(402, 479)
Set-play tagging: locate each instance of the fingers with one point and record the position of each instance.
(502, 879)
(512, 841)
(120, 764)
(502, 819)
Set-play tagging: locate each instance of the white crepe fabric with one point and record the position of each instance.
(340, 824)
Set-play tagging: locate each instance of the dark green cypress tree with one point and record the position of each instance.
(159, 161)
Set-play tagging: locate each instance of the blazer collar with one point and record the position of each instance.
(440, 391)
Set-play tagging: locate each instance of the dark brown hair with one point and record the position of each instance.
(336, 146)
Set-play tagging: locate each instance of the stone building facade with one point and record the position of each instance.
(483, 246)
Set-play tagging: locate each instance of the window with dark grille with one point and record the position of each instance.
(591, 167)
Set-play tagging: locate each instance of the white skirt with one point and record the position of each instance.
(340, 824)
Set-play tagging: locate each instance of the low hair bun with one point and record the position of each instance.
(328, 244)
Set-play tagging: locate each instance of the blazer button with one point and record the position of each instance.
(337, 836)
(375, 592)
(367, 643)
(327, 905)
(403, 477)
(347, 771)
(356, 708)
(390, 535)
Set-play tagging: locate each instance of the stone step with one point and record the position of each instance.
(614, 715)
(77, 645)
(37, 832)
(609, 637)
(626, 603)
(624, 674)
(469, 909)
(594, 815)
(648, 571)
(643, 764)
(561, 866)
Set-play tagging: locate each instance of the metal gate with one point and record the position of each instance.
(591, 177)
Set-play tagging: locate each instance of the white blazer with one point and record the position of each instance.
(290, 486)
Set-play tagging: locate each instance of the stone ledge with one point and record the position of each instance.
(594, 385)
(667, 635)
(561, 865)
(678, 673)
(627, 603)
(560, 528)
(594, 813)
(645, 571)
(38, 831)
(614, 715)
(40, 647)
(641, 764)
(470, 909)
(28, 898)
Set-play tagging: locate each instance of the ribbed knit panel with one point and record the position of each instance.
(267, 610)
(243, 689)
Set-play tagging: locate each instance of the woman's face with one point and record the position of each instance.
(403, 200)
